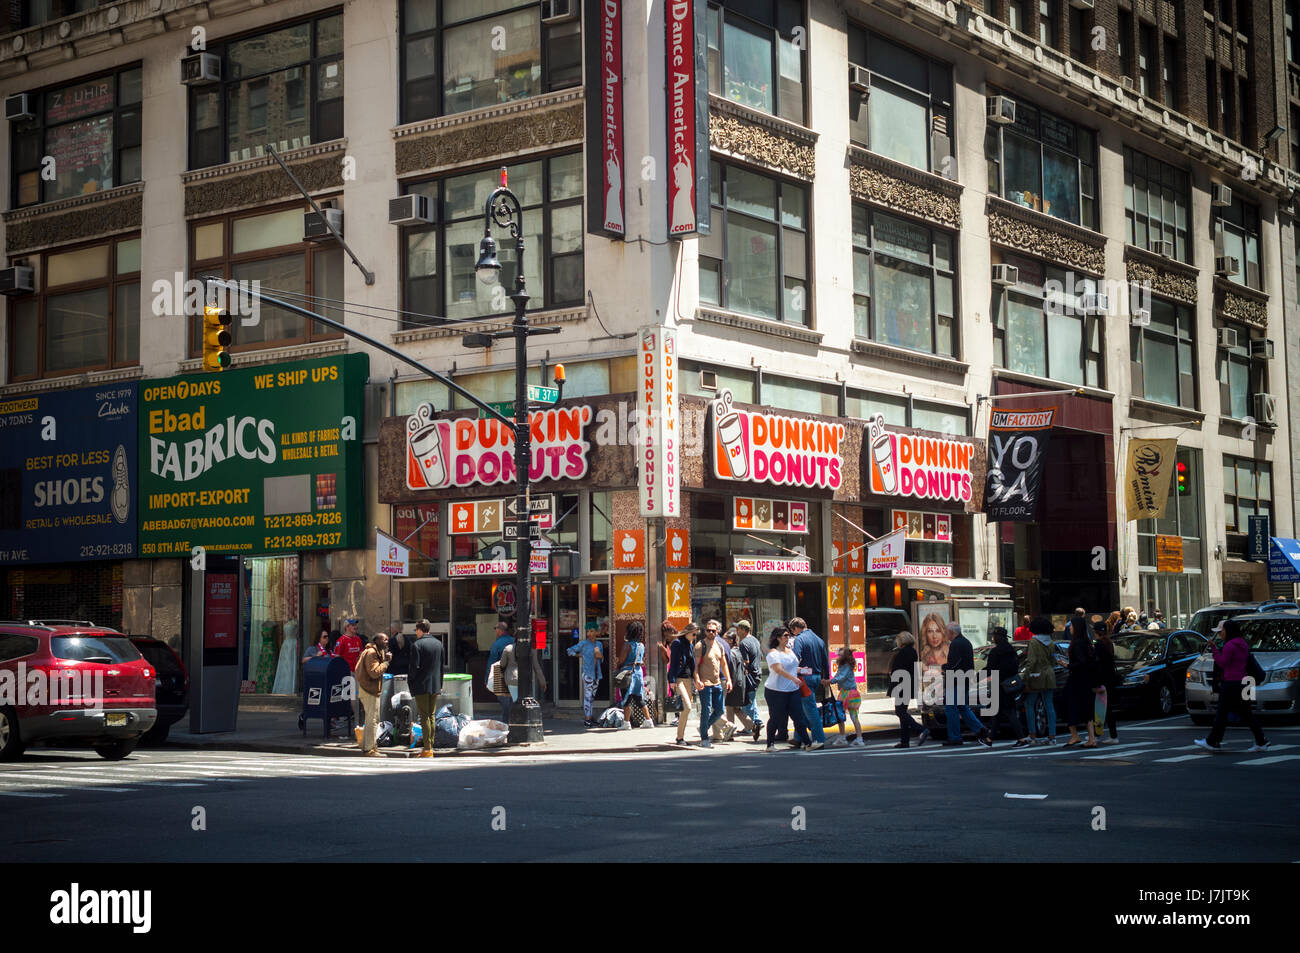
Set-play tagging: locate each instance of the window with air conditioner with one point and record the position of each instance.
(755, 57)
(1238, 235)
(1044, 162)
(1163, 355)
(1236, 378)
(1157, 203)
(1040, 328)
(439, 280)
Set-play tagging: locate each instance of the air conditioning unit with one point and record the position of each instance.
(1127, 83)
(859, 79)
(17, 280)
(315, 230)
(559, 11)
(1141, 318)
(18, 108)
(1162, 248)
(1220, 195)
(1081, 4)
(1266, 409)
(1094, 304)
(1262, 349)
(410, 209)
(1226, 266)
(1000, 110)
(1227, 338)
(708, 380)
(1005, 275)
(200, 68)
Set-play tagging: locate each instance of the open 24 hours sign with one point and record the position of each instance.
(253, 461)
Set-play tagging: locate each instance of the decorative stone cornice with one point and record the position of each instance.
(271, 355)
(529, 125)
(74, 220)
(261, 181)
(1166, 278)
(1045, 237)
(901, 355)
(536, 319)
(756, 137)
(744, 322)
(1237, 303)
(904, 189)
(84, 379)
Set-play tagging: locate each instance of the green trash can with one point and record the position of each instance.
(457, 691)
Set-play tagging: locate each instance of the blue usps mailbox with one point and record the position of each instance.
(327, 686)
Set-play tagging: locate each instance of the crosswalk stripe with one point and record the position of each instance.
(1186, 757)
(1077, 748)
(1117, 754)
(26, 794)
(1277, 760)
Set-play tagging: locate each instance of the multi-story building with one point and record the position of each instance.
(912, 207)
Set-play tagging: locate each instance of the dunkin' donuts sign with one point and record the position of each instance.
(769, 448)
(928, 468)
(465, 451)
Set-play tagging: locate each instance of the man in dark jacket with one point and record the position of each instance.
(751, 652)
(814, 665)
(425, 680)
(903, 685)
(959, 687)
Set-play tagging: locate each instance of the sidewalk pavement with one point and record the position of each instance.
(270, 724)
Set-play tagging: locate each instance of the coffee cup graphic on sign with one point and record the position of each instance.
(425, 442)
(727, 423)
(882, 452)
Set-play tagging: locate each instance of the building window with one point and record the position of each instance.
(85, 315)
(755, 58)
(1147, 58)
(1178, 595)
(707, 380)
(1046, 163)
(1042, 330)
(1163, 355)
(1235, 378)
(1226, 121)
(1211, 97)
(440, 282)
(903, 283)
(908, 114)
(459, 55)
(904, 411)
(1292, 39)
(1245, 112)
(1294, 136)
(755, 258)
(1238, 237)
(1170, 69)
(806, 396)
(1157, 197)
(267, 247)
(1124, 42)
(1018, 15)
(282, 89)
(1079, 35)
(86, 134)
(1047, 16)
(1247, 492)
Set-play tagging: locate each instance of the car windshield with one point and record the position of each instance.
(1139, 648)
(1203, 622)
(94, 648)
(1273, 635)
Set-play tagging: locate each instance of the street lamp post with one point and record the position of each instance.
(503, 208)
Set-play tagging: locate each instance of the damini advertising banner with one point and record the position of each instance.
(1146, 477)
(259, 460)
(1017, 446)
(68, 475)
(686, 48)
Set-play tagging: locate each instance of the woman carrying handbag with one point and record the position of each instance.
(1004, 673)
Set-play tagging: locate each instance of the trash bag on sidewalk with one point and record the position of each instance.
(483, 734)
(417, 736)
(384, 737)
(612, 718)
(447, 728)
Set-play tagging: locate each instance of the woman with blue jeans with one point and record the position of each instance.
(781, 690)
(1040, 680)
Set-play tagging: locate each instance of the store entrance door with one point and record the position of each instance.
(575, 609)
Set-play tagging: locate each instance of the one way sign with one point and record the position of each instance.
(512, 530)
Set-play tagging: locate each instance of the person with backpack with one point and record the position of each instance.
(1040, 680)
(735, 699)
(750, 652)
(850, 700)
(1236, 658)
(681, 675)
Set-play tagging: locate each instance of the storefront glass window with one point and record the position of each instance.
(416, 526)
(602, 529)
(271, 624)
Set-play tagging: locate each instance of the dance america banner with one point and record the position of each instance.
(1017, 446)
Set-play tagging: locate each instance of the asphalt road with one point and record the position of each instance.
(1158, 797)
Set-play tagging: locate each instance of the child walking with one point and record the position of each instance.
(850, 697)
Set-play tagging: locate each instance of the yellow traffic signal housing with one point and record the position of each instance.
(216, 338)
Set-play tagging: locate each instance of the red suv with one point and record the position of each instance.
(72, 682)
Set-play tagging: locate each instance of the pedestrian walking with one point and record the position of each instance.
(958, 687)
(1108, 677)
(588, 651)
(1023, 633)
(503, 639)
(424, 680)
(1040, 680)
(321, 649)
(681, 674)
(1234, 657)
(632, 662)
(750, 652)
(1082, 684)
(782, 689)
(712, 679)
(372, 663)
(1007, 686)
(814, 667)
(1114, 621)
(509, 663)
(735, 699)
(903, 688)
(846, 683)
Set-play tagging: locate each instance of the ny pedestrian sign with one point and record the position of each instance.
(540, 394)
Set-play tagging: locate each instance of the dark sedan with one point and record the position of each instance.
(171, 688)
(1152, 666)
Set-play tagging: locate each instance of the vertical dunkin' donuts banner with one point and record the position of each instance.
(686, 51)
(1017, 446)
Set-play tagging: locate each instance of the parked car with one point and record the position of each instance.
(1153, 667)
(72, 683)
(1274, 639)
(883, 625)
(171, 686)
(1204, 621)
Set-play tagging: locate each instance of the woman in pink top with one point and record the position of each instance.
(1234, 658)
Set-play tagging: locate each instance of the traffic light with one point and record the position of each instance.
(1183, 487)
(216, 338)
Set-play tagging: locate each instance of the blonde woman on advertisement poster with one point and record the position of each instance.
(934, 655)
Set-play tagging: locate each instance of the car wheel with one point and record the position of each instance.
(1202, 720)
(155, 735)
(1164, 698)
(11, 745)
(116, 750)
